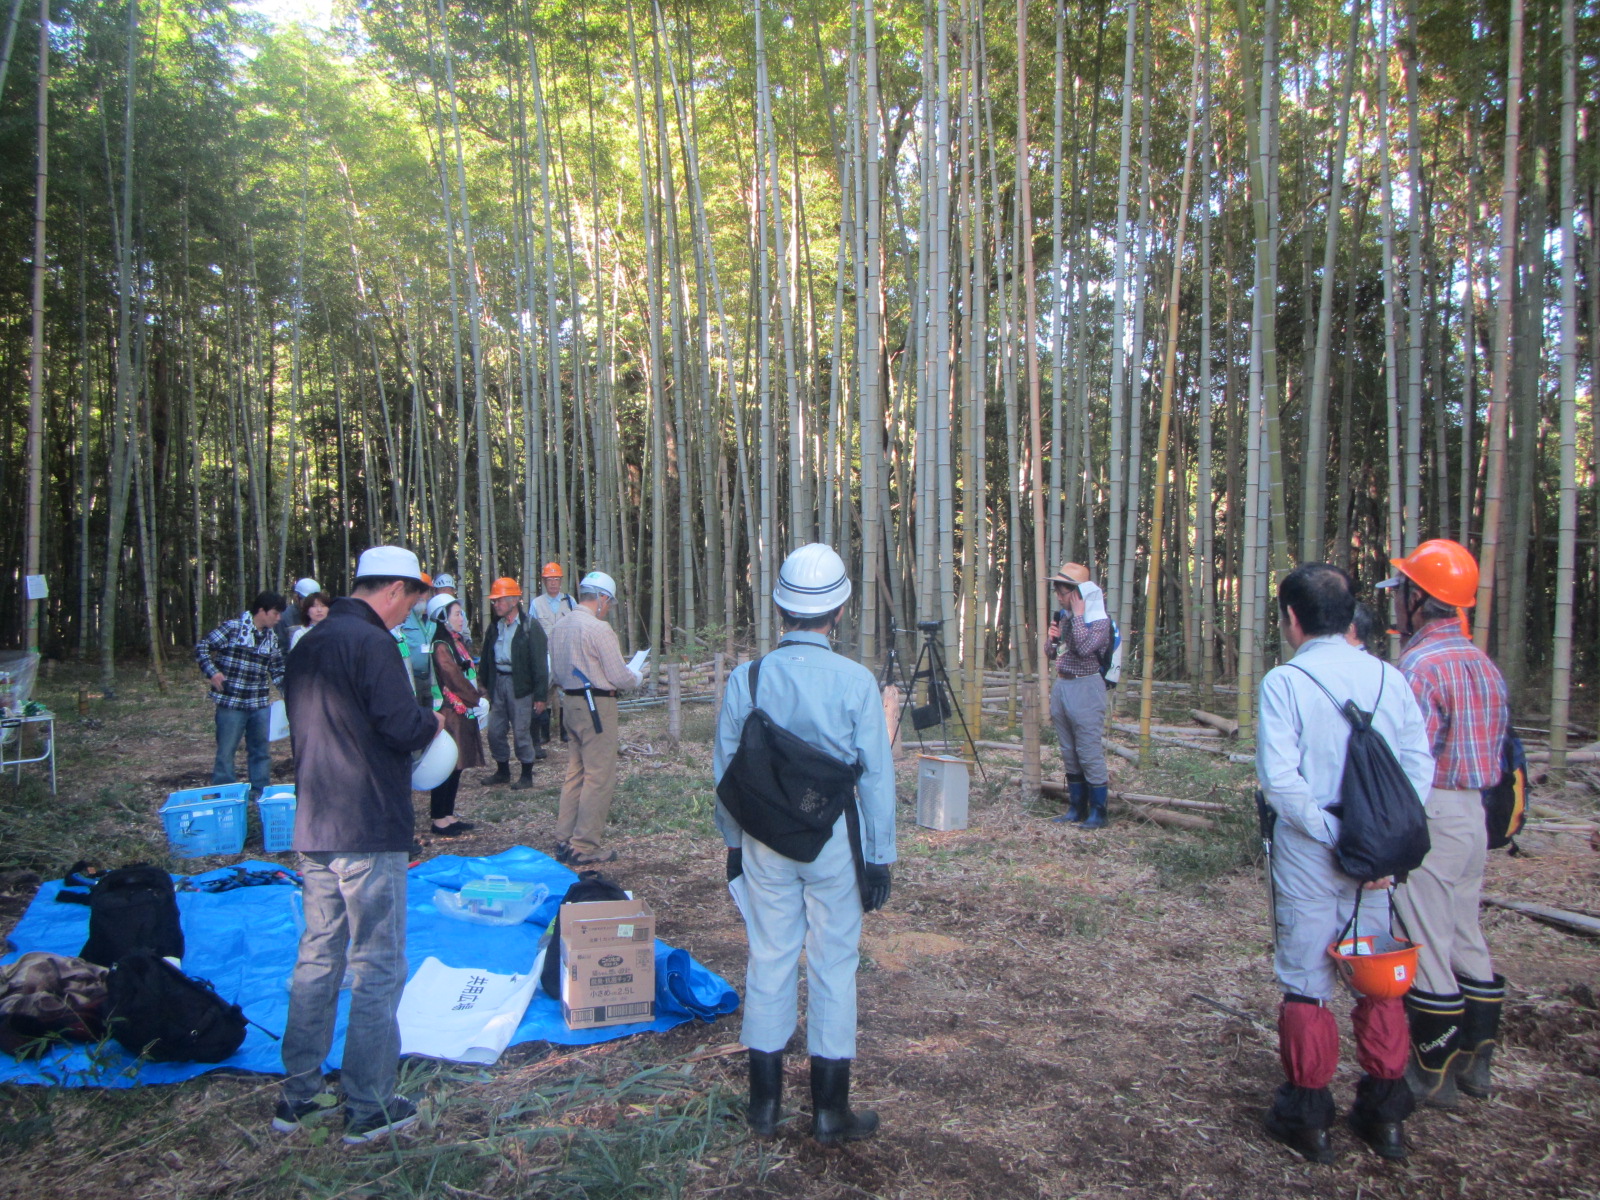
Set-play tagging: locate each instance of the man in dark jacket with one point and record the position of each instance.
(355, 723)
(515, 675)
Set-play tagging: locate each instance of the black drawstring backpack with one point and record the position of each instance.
(782, 790)
(1383, 825)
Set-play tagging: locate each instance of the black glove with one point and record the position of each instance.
(876, 894)
(735, 863)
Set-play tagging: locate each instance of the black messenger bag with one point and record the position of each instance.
(782, 790)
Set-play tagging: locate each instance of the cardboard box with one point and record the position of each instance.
(608, 963)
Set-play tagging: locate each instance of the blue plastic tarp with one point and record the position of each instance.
(244, 941)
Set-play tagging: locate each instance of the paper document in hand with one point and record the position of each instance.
(462, 1013)
(636, 663)
(740, 891)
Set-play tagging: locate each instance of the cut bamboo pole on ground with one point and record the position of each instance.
(1226, 726)
(1573, 922)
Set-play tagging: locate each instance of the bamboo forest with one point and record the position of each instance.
(1187, 292)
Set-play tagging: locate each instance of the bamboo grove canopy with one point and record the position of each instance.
(1187, 292)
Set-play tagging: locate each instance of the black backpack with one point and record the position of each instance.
(781, 789)
(1384, 826)
(1505, 804)
(159, 1012)
(133, 908)
(591, 887)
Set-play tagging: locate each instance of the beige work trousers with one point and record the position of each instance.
(1439, 902)
(591, 773)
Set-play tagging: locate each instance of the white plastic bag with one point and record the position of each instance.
(277, 721)
(461, 1013)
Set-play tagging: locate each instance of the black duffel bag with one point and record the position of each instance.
(782, 790)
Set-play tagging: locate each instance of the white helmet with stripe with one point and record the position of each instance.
(812, 581)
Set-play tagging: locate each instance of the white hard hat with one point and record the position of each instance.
(812, 581)
(436, 763)
(394, 562)
(444, 581)
(598, 581)
(306, 587)
(438, 604)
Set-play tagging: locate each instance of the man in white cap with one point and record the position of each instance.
(355, 723)
(834, 706)
(588, 667)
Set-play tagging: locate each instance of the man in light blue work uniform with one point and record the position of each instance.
(833, 705)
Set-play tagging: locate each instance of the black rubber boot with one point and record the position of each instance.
(1097, 807)
(832, 1121)
(541, 735)
(526, 781)
(503, 775)
(1480, 1033)
(766, 1091)
(1077, 802)
(1435, 1043)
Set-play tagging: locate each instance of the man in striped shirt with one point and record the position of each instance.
(1455, 1008)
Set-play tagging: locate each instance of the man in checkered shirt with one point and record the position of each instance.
(241, 659)
(1455, 1007)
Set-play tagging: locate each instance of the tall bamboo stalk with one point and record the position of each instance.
(1500, 383)
(1152, 594)
(1566, 554)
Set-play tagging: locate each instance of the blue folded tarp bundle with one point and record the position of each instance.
(244, 941)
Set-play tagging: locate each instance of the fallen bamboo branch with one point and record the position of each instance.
(1132, 727)
(1120, 751)
(1223, 725)
(1231, 1011)
(1171, 820)
(1573, 756)
(1572, 922)
(1172, 801)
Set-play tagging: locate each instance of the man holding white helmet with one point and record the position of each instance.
(355, 723)
(588, 667)
(833, 706)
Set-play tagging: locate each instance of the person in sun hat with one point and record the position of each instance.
(1301, 746)
(1455, 1008)
(355, 724)
(833, 705)
(587, 662)
(1080, 633)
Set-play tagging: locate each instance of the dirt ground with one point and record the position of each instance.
(1044, 1012)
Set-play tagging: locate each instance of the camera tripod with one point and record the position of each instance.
(941, 702)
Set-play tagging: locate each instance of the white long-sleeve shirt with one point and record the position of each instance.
(1301, 736)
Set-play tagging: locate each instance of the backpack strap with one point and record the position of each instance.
(1344, 709)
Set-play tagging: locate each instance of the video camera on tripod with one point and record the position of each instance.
(940, 703)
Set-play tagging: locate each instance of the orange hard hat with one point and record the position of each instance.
(1378, 965)
(1444, 569)
(504, 587)
(552, 570)
(426, 578)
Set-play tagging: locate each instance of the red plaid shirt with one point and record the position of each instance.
(1463, 698)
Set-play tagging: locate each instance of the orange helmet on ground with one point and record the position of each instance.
(504, 587)
(552, 570)
(1444, 569)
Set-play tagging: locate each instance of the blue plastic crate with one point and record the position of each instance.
(276, 806)
(208, 820)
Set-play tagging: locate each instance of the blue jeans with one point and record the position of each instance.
(253, 726)
(355, 906)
